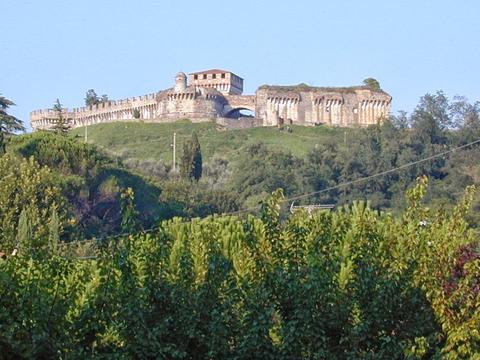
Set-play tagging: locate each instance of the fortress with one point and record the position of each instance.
(217, 95)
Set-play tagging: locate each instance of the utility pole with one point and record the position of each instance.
(174, 150)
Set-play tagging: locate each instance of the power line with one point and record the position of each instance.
(382, 173)
(303, 196)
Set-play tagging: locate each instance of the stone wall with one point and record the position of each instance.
(303, 105)
(110, 111)
(272, 105)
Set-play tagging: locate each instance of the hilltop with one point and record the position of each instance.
(148, 141)
(242, 167)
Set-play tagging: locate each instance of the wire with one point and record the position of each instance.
(348, 183)
(303, 196)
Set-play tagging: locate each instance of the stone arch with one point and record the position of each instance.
(234, 113)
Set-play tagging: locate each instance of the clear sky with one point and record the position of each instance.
(53, 49)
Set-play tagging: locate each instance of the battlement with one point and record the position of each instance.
(217, 94)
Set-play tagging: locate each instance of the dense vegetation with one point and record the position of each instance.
(354, 283)
(349, 284)
(250, 164)
(90, 181)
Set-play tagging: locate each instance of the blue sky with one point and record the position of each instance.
(59, 49)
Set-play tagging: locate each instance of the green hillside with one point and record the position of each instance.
(145, 141)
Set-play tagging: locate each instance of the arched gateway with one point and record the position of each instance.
(217, 94)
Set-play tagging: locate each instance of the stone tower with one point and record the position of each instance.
(180, 82)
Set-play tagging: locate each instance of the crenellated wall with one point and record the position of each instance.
(273, 106)
(109, 111)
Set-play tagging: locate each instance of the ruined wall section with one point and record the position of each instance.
(303, 105)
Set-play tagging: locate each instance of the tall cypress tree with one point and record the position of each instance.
(54, 232)
(2, 144)
(24, 232)
(197, 158)
(191, 165)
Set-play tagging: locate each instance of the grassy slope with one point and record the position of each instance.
(153, 141)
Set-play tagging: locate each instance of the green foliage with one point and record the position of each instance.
(91, 98)
(136, 114)
(91, 182)
(54, 231)
(311, 159)
(24, 230)
(61, 125)
(152, 141)
(195, 199)
(372, 83)
(348, 284)
(2, 143)
(29, 201)
(191, 162)
(62, 153)
(261, 170)
(129, 213)
(8, 123)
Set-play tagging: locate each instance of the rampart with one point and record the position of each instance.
(271, 106)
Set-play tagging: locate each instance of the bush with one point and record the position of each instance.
(349, 284)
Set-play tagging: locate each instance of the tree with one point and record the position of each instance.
(191, 165)
(24, 231)
(2, 144)
(261, 170)
(91, 98)
(29, 196)
(437, 108)
(54, 231)
(466, 118)
(129, 213)
(372, 83)
(136, 114)
(400, 121)
(61, 125)
(8, 123)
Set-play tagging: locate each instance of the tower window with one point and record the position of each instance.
(214, 76)
(223, 76)
(204, 76)
(195, 77)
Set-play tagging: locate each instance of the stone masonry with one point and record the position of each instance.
(217, 94)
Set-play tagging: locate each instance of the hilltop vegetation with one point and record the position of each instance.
(242, 167)
(354, 283)
(89, 180)
(251, 163)
(152, 142)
